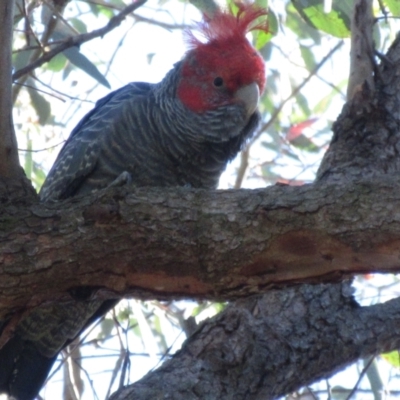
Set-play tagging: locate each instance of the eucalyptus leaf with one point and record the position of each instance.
(81, 61)
(79, 25)
(261, 38)
(39, 103)
(28, 162)
(57, 63)
(335, 22)
(308, 57)
(21, 58)
(394, 7)
(300, 28)
(304, 143)
(392, 358)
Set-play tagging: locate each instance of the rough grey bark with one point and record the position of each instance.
(174, 243)
(265, 346)
(365, 142)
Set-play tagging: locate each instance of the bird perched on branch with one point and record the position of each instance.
(180, 132)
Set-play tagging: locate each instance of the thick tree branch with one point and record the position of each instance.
(266, 346)
(171, 243)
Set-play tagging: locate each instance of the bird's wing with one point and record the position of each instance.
(79, 155)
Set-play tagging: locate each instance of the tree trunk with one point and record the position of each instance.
(9, 162)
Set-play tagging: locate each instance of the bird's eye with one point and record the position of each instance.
(218, 81)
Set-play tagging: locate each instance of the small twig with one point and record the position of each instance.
(40, 90)
(88, 377)
(116, 50)
(244, 163)
(383, 10)
(363, 372)
(123, 353)
(103, 4)
(44, 149)
(61, 93)
(59, 18)
(328, 389)
(161, 24)
(79, 39)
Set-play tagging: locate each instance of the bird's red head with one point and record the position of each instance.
(214, 72)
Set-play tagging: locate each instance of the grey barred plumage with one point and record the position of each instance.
(144, 129)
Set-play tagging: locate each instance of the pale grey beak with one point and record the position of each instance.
(249, 95)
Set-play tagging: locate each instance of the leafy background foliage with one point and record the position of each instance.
(306, 52)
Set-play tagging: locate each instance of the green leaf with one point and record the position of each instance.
(218, 307)
(78, 25)
(266, 51)
(38, 175)
(302, 102)
(262, 3)
(340, 392)
(291, 155)
(269, 174)
(304, 31)
(106, 11)
(28, 162)
(392, 358)
(57, 63)
(308, 57)
(273, 24)
(106, 327)
(150, 57)
(79, 60)
(94, 8)
(39, 103)
(67, 70)
(18, 13)
(394, 7)
(270, 146)
(261, 38)
(304, 143)
(117, 3)
(336, 22)
(21, 59)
